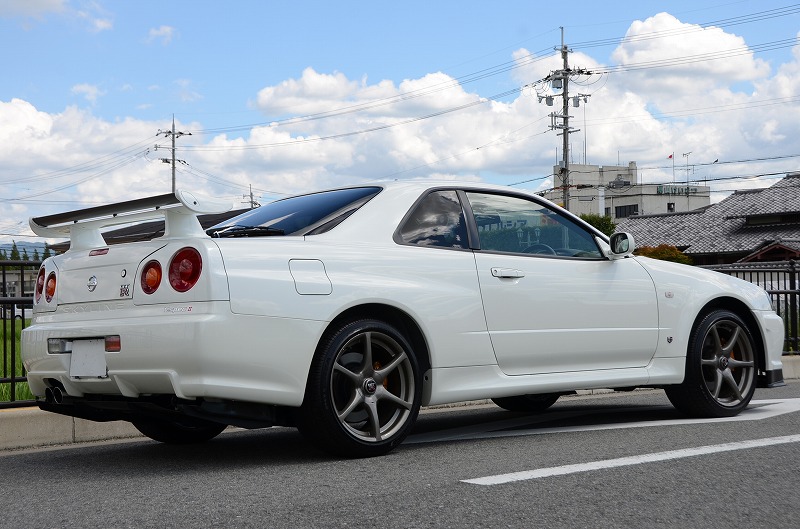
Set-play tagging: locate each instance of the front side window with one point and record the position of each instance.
(511, 224)
(300, 215)
(436, 220)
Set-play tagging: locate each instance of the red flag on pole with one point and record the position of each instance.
(670, 156)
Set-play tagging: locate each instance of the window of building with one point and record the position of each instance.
(670, 207)
(622, 212)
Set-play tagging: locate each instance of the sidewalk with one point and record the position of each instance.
(31, 428)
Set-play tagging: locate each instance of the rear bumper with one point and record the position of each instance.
(103, 408)
(771, 379)
(201, 351)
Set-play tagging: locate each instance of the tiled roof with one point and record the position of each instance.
(722, 227)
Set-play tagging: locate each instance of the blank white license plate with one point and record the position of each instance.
(88, 359)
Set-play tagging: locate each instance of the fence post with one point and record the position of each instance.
(793, 305)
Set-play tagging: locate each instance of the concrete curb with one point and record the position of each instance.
(22, 428)
(32, 427)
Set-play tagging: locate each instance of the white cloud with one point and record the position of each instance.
(88, 91)
(163, 34)
(91, 12)
(102, 24)
(31, 8)
(185, 91)
(692, 51)
(731, 109)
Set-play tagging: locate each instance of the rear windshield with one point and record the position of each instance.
(301, 215)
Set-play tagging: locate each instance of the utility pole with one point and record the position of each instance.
(565, 122)
(559, 80)
(253, 203)
(174, 135)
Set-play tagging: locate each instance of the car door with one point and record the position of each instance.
(553, 302)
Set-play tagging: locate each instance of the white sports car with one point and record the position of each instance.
(342, 312)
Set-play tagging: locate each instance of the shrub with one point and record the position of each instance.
(665, 252)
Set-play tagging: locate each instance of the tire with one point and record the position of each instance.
(527, 403)
(179, 433)
(720, 368)
(363, 393)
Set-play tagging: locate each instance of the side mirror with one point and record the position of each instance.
(622, 245)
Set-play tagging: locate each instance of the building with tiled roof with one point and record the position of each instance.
(752, 225)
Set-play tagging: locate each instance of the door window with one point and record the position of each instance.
(510, 224)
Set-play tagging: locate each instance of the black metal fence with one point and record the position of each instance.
(780, 280)
(17, 281)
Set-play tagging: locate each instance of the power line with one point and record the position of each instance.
(694, 28)
(481, 101)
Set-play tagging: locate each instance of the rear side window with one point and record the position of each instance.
(314, 213)
(437, 220)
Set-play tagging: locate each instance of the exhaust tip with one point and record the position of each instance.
(48, 395)
(58, 396)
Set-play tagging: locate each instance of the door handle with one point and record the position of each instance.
(507, 273)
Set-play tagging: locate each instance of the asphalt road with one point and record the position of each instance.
(616, 460)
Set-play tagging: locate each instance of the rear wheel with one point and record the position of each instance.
(177, 432)
(363, 392)
(527, 403)
(720, 368)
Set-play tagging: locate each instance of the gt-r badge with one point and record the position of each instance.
(176, 310)
(92, 283)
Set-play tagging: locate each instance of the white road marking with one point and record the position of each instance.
(758, 410)
(632, 460)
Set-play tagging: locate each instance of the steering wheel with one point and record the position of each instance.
(539, 248)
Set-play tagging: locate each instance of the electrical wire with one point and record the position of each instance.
(694, 28)
(300, 141)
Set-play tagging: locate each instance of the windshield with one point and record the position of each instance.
(314, 213)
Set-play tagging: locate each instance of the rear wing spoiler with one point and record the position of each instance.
(179, 211)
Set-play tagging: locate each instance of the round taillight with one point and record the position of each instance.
(184, 269)
(39, 285)
(50, 287)
(151, 277)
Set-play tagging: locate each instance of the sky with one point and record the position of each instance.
(275, 98)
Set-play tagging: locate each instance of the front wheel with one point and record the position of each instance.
(720, 368)
(363, 392)
(177, 432)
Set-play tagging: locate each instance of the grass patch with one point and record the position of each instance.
(11, 330)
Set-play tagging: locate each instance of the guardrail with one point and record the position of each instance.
(17, 280)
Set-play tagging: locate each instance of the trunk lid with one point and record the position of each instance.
(103, 274)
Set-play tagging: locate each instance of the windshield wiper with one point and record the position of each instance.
(244, 231)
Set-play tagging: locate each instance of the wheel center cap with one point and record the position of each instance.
(370, 386)
(723, 362)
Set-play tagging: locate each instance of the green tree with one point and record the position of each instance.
(14, 251)
(47, 253)
(665, 252)
(601, 222)
(3, 255)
